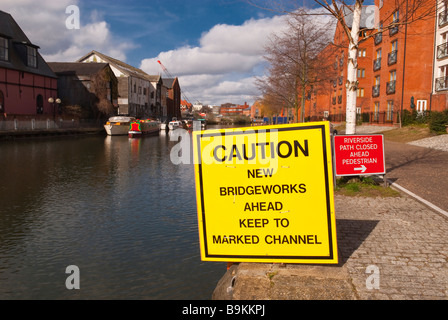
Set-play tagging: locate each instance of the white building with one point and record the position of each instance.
(139, 94)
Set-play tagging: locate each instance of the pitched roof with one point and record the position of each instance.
(168, 82)
(122, 66)
(10, 30)
(78, 68)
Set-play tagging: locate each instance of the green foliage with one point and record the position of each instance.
(364, 187)
(438, 122)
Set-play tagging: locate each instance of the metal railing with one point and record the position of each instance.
(394, 29)
(442, 51)
(443, 18)
(442, 83)
(377, 64)
(376, 91)
(392, 57)
(378, 38)
(23, 124)
(390, 88)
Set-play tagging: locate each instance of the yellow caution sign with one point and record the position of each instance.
(265, 194)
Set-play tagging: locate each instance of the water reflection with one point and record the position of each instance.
(115, 207)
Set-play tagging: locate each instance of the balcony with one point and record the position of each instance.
(442, 51)
(390, 88)
(442, 84)
(377, 64)
(376, 91)
(443, 19)
(378, 38)
(392, 57)
(394, 29)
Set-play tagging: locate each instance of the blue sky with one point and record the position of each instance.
(215, 47)
(162, 25)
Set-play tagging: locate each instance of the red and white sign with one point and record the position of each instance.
(357, 155)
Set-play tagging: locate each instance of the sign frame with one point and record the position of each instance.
(361, 173)
(330, 219)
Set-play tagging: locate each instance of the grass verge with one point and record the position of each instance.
(363, 187)
(408, 133)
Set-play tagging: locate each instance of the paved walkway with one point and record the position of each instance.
(400, 238)
(421, 170)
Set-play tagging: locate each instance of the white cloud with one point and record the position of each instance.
(44, 22)
(222, 68)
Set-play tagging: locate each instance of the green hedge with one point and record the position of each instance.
(437, 121)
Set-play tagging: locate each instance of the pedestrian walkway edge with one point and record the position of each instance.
(418, 198)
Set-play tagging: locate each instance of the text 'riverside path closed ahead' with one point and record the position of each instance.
(266, 195)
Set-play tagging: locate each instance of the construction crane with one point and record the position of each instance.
(172, 77)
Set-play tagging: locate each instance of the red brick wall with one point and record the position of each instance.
(21, 89)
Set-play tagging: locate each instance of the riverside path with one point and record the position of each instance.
(420, 170)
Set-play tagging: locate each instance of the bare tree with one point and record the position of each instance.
(294, 64)
(410, 11)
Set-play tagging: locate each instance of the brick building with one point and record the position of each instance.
(26, 81)
(173, 98)
(400, 66)
(229, 109)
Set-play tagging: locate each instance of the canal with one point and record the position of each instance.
(117, 208)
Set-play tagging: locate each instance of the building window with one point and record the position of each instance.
(361, 73)
(393, 75)
(377, 61)
(421, 106)
(362, 53)
(441, 82)
(2, 103)
(4, 49)
(40, 104)
(360, 93)
(390, 110)
(376, 112)
(396, 19)
(390, 89)
(31, 57)
(392, 58)
(442, 49)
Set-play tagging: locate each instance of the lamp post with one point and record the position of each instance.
(55, 102)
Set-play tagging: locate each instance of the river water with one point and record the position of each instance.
(116, 208)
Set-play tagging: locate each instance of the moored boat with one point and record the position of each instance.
(173, 125)
(139, 128)
(118, 126)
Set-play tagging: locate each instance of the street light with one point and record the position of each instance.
(54, 102)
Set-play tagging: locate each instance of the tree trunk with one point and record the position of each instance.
(352, 81)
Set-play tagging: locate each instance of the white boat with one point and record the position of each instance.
(173, 125)
(118, 126)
